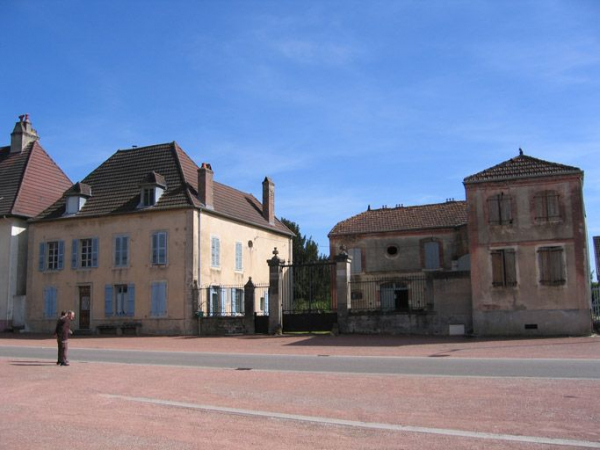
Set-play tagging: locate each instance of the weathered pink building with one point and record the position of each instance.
(528, 246)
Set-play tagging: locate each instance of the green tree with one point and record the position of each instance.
(305, 249)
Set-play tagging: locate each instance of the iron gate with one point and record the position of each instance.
(307, 297)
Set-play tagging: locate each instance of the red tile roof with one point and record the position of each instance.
(116, 186)
(410, 218)
(522, 166)
(30, 181)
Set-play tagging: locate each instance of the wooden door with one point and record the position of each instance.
(84, 307)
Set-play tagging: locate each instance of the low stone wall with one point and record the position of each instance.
(220, 326)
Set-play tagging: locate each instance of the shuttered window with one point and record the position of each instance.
(52, 255)
(500, 209)
(84, 253)
(551, 266)
(355, 255)
(50, 301)
(121, 251)
(158, 300)
(432, 255)
(215, 252)
(504, 270)
(238, 257)
(546, 206)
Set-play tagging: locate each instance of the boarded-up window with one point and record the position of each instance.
(546, 206)
(504, 269)
(551, 266)
(355, 255)
(432, 255)
(500, 209)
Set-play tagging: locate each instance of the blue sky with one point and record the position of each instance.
(342, 103)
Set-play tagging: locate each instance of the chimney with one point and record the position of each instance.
(22, 135)
(205, 185)
(269, 200)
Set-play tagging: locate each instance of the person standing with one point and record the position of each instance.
(62, 332)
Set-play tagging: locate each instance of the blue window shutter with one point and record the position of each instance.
(163, 298)
(42, 260)
(51, 302)
(233, 301)
(117, 250)
(131, 300)
(74, 253)
(125, 250)
(154, 300)
(267, 300)
(223, 299)
(61, 255)
(154, 248)
(46, 302)
(95, 252)
(163, 246)
(432, 255)
(108, 300)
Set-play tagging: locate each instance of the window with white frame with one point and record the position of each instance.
(52, 255)
(239, 266)
(121, 251)
(215, 252)
(119, 300)
(159, 248)
(216, 301)
(84, 253)
(148, 196)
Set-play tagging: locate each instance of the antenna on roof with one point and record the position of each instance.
(520, 151)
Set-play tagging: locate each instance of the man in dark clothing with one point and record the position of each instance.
(62, 332)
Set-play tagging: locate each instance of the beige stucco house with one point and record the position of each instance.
(30, 181)
(143, 239)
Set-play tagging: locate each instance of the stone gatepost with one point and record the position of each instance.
(249, 307)
(275, 300)
(342, 284)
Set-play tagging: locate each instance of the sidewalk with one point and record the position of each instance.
(343, 345)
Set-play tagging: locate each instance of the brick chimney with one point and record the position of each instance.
(22, 135)
(269, 200)
(205, 185)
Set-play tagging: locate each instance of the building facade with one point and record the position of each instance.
(30, 181)
(140, 237)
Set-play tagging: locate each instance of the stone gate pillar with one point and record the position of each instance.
(275, 287)
(342, 285)
(249, 307)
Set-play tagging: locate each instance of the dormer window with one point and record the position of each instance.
(152, 188)
(76, 197)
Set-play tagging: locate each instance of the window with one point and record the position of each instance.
(238, 257)
(51, 255)
(500, 209)
(50, 302)
(264, 302)
(159, 248)
(551, 266)
(355, 255)
(504, 271)
(215, 252)
(148, 196)
(237, 301)
(84, 253)
(119, 300)
(546, 206)
(158, 300)
(392, 251)
(216, 301)
(121, 251)
(432, 255)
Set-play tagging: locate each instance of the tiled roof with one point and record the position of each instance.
(30, 181)
(522, 166)
(116, 186)
(409, 218)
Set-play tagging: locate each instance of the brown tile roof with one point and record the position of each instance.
(30, 181)
(409, 218)
(522, 166)
(116, 186)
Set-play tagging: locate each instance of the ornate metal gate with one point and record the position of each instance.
(307, 297)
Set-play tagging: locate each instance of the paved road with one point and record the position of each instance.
(453, 367)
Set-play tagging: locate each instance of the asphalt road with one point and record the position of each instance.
(428, 366)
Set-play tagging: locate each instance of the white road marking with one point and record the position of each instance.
(368, 425)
